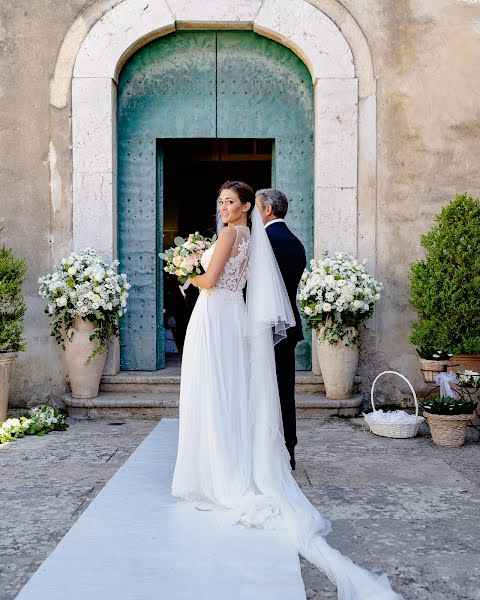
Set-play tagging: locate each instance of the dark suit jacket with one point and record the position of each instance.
(290, 255)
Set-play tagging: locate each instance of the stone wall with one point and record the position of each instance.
(425, 59)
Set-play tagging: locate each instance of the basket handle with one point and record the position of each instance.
(404, 378)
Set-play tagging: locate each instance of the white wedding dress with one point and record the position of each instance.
(231, 449)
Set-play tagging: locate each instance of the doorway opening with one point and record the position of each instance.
(193, 170)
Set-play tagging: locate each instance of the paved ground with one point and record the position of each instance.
(404, 507)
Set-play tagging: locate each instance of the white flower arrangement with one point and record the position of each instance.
(85, 285)
(36, 421)
(183, 260)
(468, 378)
(337, 292)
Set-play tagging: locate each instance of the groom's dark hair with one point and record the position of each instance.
(274, 198)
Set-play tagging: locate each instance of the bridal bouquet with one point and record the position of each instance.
(337, 292)
(183, 260)
(86, 286)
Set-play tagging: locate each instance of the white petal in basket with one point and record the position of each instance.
(397, 423)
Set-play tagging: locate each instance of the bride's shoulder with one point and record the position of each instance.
(227, 236)
(227, 233)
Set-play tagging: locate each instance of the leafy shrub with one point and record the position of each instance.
(12, 305)
(445, 285)
(446, 405)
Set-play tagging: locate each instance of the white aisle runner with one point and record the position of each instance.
(136, 542)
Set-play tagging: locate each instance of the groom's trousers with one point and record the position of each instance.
(285, 365)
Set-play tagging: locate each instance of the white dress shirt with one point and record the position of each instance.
(274, 221)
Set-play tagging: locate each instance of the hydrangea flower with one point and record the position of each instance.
(339, 292)
(85, 285)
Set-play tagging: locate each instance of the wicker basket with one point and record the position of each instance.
(448, 430)
(395, 430)
(431, 368)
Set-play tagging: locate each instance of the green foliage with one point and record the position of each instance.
(445, 405)
(39, 420)
(12, 305)
(445, 285)
(431, 354)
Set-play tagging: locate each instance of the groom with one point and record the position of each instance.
(290, 255)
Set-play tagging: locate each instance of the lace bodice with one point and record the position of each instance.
(234, 274)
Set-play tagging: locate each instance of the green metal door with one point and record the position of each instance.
(265, 91)
(202, 84)
(165, 90)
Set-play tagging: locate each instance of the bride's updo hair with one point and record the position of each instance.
(244, 192)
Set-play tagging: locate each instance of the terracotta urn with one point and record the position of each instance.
(466, 361)
(338, 364)
(6, 360)
(84, 377)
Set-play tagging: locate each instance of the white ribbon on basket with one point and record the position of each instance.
(444, 380)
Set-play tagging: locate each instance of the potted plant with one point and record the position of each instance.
(448, 419)
(336, 295)
(444, 286)
(85, 298)
(12, 310)
(433, 362)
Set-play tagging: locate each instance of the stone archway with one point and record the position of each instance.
(337, 57)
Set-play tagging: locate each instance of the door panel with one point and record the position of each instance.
(265, 90)
(202, 84)
(165, 90)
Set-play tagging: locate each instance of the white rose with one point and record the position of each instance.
(357, 304)
(95, 305)
(326, 306)
(307, 310)
(62, 301)
(329, 279)
(72, 271)
(95, 298)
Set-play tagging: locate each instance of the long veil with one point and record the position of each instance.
(279, 502)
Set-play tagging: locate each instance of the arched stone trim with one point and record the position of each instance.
(321, 32)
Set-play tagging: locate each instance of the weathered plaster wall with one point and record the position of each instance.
(30, 37)
(425, 55)
(425, 58)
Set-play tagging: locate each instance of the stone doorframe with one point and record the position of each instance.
(321, 32)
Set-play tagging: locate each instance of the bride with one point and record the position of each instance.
(231, 449)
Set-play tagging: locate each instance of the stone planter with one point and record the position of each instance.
(6, 360)
(448, 430)
(431, 368)
(338, 364)
(84, 378)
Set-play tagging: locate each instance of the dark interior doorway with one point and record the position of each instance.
(193, 170)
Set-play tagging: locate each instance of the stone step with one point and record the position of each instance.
(124, 405)
(167, 381)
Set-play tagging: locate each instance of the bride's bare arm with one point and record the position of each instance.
(223, 249)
